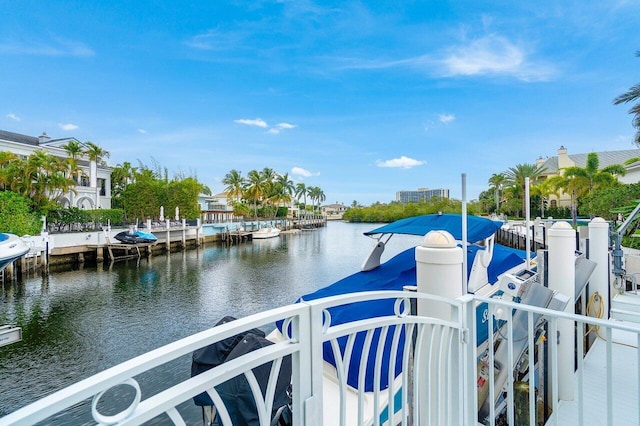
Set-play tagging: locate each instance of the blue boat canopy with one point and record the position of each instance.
(478, 228)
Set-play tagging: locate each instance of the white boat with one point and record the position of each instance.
(263, 233)
(352, 362)
(11, 249)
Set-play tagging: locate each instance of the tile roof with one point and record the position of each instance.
(19, 138)
(605, 158)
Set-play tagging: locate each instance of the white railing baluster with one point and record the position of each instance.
(382, 338)
(342, 380)
(362, 373)
(391, 375)
(580, 349)
(553, 342)
(510, 362)
(407, 367)
(419, 360)
(609, 377)
(470, 383)
(531, 335)
(492, 363)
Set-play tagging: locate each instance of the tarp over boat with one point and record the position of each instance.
(394, 274)
(478, 228)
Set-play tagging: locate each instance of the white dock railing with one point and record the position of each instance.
(440, 357)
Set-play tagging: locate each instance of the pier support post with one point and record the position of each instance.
(599, 253)
(99, 254)
(562, 278)
(184, 234)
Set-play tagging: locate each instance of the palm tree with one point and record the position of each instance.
(283, 189)
(269, 177)
(544, 189)
(234, 184)
(633, 94)
(255, 189)
(516, 178)
(95, 153)
(301, 190)
(496, 182)
(7, 163)
(122, 176)
(316, 194)
(74, 151)
(582, 181)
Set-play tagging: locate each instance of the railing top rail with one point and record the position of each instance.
(560, 314)
(377, 295)
(115, 375)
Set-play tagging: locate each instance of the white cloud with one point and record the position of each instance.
(142, 131)
(402, 162)
(299, 171)
(13, 117)
(68, 126)
(446, 118)
(55, 46)
(484, 56)
(259, 122)
(280, 127)
(493, 55)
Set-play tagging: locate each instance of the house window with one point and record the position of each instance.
(102, 186)
(553, 203)
(84, 181)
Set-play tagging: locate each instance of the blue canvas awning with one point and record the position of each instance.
(478, 228)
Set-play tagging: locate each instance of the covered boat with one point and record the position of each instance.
(486, 262)
(11, 248)
(136, 237)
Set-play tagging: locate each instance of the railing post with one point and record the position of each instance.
(562, 275)
(309, 407)
(599, 253)
(469, 356)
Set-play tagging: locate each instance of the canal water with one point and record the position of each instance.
(78, 323)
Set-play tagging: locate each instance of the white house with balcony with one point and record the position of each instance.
(216, 208)
(93, 189)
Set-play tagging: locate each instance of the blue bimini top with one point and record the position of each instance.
(478, 228)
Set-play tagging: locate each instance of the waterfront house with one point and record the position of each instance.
(93, 189)
(215, 208)
(334, 211)
(554, 165)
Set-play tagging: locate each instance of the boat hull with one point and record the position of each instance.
(11, 248)
(264, 233)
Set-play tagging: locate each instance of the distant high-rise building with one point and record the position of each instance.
(421, 195)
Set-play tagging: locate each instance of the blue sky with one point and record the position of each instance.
(359, 98)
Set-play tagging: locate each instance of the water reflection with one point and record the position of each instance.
(77, 323)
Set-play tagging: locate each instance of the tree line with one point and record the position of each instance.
(582, 184)
(265, 190)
